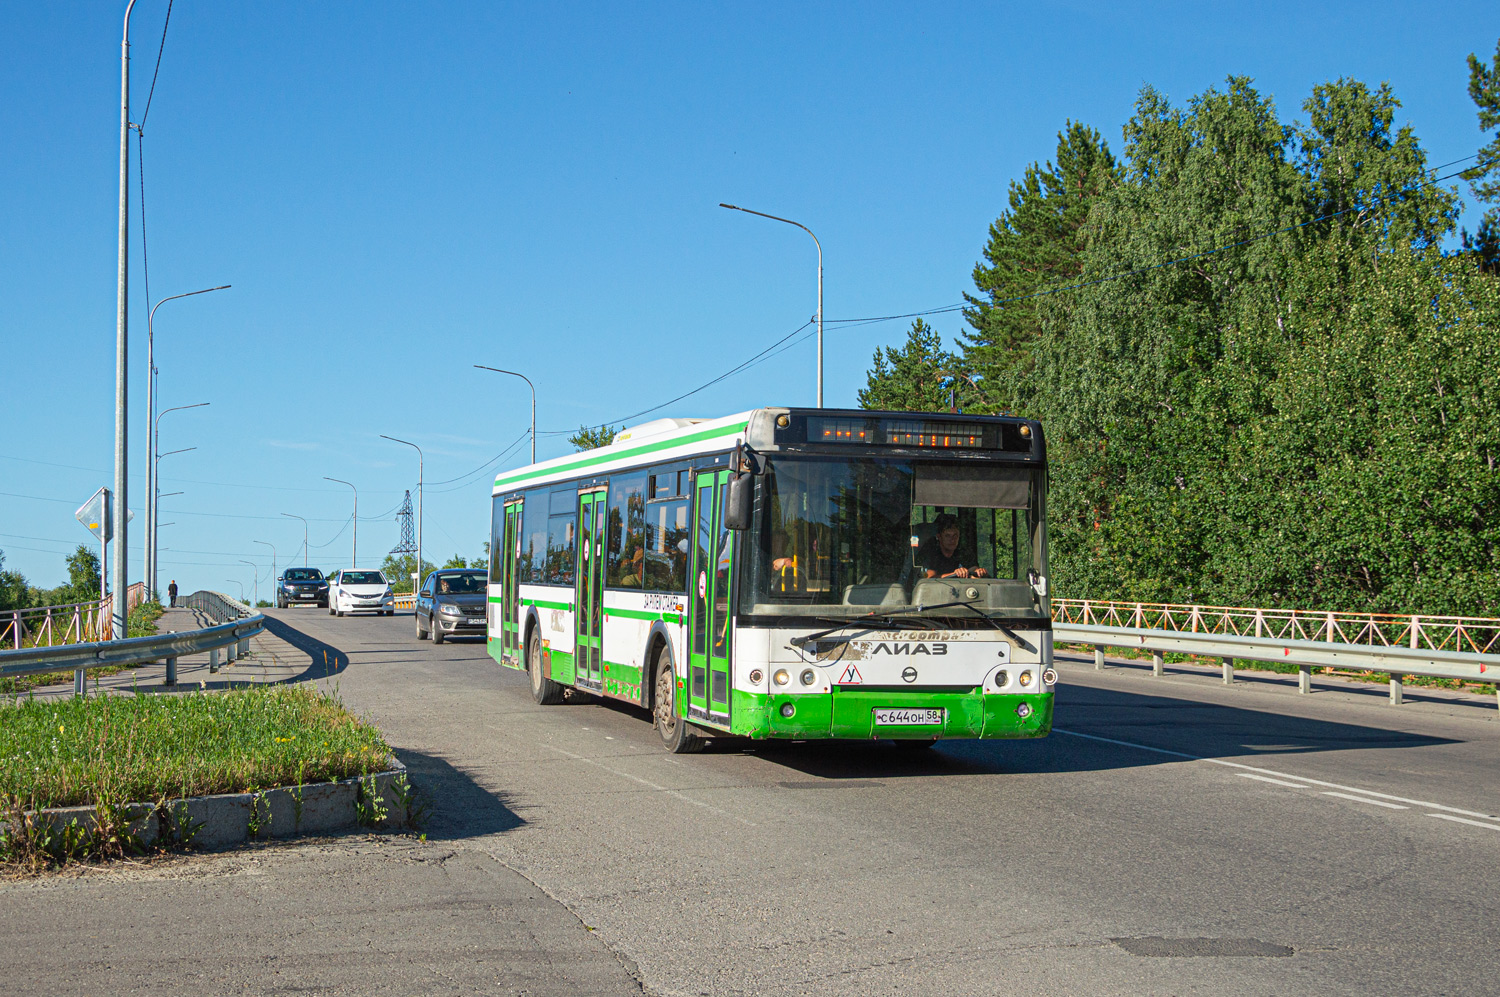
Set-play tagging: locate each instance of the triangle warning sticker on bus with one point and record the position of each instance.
(851, 675)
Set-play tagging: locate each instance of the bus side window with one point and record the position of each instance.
(627, 507)
(497, 529)
(529, 566)
(561, 525)
(665, 528)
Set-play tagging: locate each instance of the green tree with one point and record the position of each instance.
(1034, 245)
(593, 437)
(397, 569)
(456, 561)
(83, 575)
(922, 376)
(1484, 178)
(14, 593)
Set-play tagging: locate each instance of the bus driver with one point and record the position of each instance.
(939, 555)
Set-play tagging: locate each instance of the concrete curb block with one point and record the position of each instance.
(230, 819)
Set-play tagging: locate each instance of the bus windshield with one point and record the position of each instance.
(850, 537)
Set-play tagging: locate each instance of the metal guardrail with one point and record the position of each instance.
(233, 636)
(217, 606)
(1451, 647)
(407, 601)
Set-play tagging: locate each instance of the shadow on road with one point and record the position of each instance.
(461, 808)
(1194, 728)
(327, 660)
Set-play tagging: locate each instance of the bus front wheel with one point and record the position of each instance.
(545, 691)
(676, 733)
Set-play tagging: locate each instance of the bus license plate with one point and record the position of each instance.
(906, 718)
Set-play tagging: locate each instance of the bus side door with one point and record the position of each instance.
(510, 549)
(588, 653)
(709, 656)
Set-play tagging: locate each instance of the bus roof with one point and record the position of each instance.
(660, 439)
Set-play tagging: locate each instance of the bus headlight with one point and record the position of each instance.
(809, 676)
(1025, 679)
(1049, 677)
(782, 676)
(756, 676)
(1002, 679)
(1023, 710)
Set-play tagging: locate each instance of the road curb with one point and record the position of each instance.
(377, 801)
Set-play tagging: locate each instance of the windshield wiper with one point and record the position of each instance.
(868, 622)
(969, 605)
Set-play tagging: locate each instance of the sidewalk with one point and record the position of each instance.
(277, 654)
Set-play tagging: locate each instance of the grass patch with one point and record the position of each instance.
(122, 749)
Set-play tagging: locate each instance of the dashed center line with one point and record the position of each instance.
(1465, 820)
(1266, 778)
(1366, 799)
(1303, 782)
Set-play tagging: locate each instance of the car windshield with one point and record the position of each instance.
(468, 583)
(362, 578)
(852, 537)
(304, 575)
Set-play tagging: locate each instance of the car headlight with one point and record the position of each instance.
(448, 609)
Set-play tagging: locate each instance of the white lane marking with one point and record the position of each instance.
(1271, 772)
(1365, 799)
(1465, 820)
(652, 785)
(1266, 778)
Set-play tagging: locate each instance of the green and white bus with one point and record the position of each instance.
(787, 573)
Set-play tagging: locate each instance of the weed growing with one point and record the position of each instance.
(72, 752)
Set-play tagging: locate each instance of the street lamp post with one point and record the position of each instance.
(273, 565)
(523, 377)
(304, 536)
(354, 552)
(240, 584)
(122, 348)
(151, 428)
(152, 487)
(774, 218)
(421, 492)
(254, 579)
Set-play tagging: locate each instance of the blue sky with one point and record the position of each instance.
(397, 192)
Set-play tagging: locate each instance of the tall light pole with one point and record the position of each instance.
(420, 494)
(304, 536)
(774, 218)
(152, 487)
(240, 584)
(151, 431)
(122, 345)
(254, 579)
(523, 377)
(273, 566)
(354, 552)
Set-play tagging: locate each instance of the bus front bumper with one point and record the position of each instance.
(851, 714)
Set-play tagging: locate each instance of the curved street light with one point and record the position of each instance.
(354, 552)
(153, 488)
(523, 377)
(273, 563)
(420, 496)
(774, 218)
(304, 536)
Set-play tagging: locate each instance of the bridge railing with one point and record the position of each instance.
(1455, 647)
(48, 626)
(231, 635)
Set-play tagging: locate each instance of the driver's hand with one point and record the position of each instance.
(981, 573)
(962, 572)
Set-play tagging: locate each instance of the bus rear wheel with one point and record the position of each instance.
(676, 733)
(545, 691)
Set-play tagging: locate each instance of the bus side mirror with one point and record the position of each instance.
(737, 502)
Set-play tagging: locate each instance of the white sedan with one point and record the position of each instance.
(352, 591)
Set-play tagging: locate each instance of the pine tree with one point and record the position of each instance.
(1484, 178)
(922, 376)
(1035, 245)
(593, 437)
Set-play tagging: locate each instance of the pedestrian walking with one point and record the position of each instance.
(172, 593)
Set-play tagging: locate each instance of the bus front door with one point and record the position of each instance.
(588, 658)
(510, 637)
(709, 639)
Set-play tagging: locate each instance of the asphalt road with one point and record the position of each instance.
(1172, 837)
